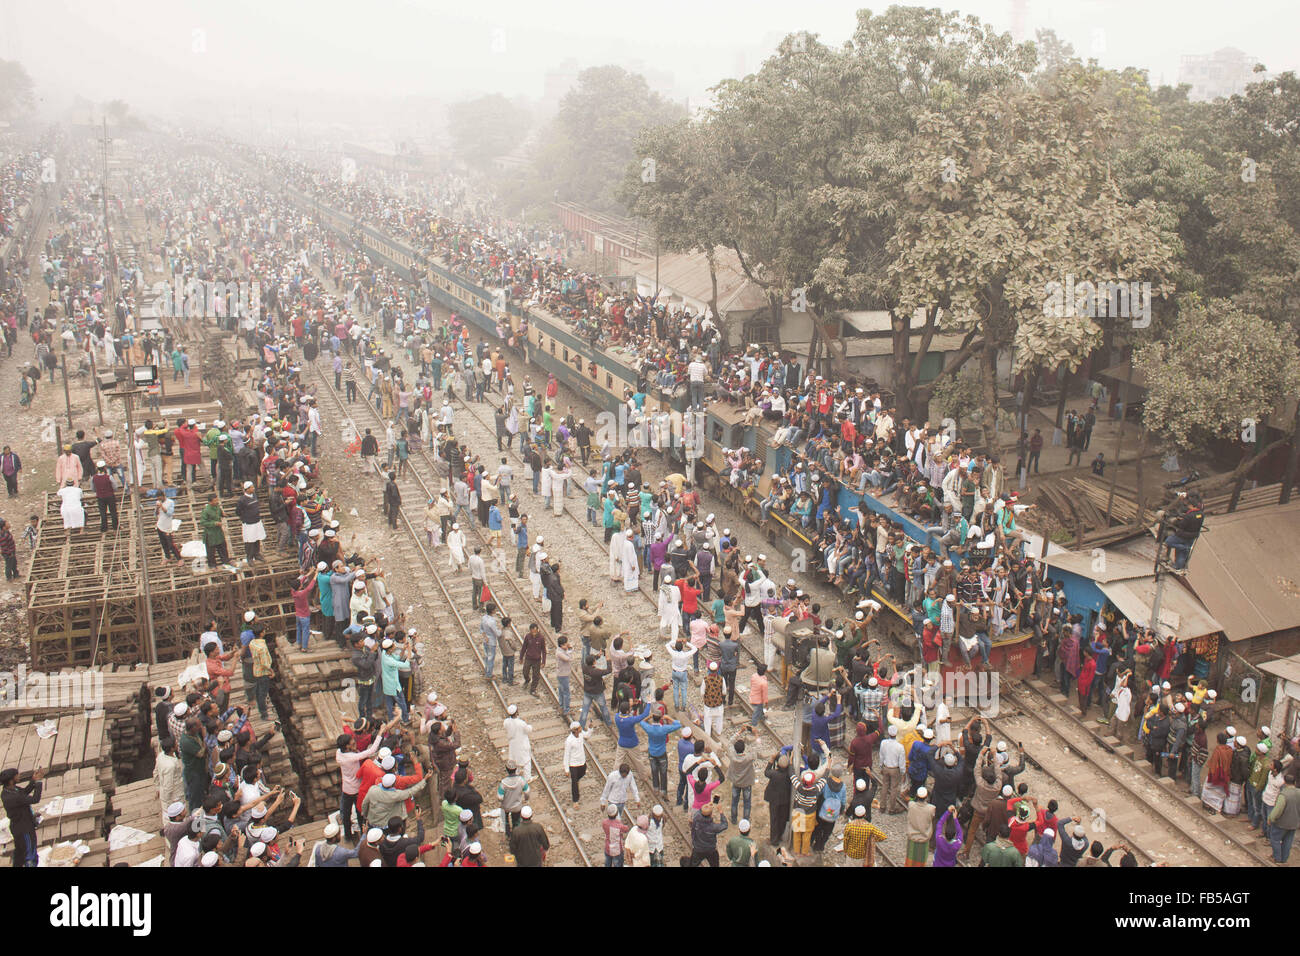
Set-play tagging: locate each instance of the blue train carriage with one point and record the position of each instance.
(1012, 654)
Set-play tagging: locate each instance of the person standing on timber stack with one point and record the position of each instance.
(214, 536)
(249, 510)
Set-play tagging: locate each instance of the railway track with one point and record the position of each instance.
(479, 436)
(594, 549)
(1166, 818)
(1117, 803)
(738, 713)
(550, 727)
(1128, 806)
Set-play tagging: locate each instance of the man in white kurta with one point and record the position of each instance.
(71, 510)
(631, 565)
(616, 545)
(558, 489)
(456, 547)
(535, 572)
(519, 747)
(544, 484)
(670, 607)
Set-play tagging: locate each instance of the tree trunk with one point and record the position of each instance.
(902, 383)
(1293, 463)
(1219, 482)
(713, 299)
(920, 394)
(778, 314)
(989, 398)
(1067, 379)
(1250, 455)
(1031, 388)
(1137, 464)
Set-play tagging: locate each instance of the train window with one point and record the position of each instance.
(566, 353)
(717, 432)
(609, 381)
(552, 346)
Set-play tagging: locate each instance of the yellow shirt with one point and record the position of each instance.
(858, 835)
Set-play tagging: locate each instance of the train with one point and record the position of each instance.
(605, 378)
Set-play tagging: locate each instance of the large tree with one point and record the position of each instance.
(820, 140)
(587, 147)
(678, 195)
(16, 96)
(1218, 370)
(484, 128)
(1010, 203)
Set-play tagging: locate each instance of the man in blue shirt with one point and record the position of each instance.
(820, 721)
(494, 525)
(657, 732)
(627, 724)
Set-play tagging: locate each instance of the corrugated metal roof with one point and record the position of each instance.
(1246, 570)
(1181, 613)
(687, 274)
(1288, 668)
(856, 347)
(1106, 565)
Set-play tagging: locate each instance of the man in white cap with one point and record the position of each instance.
(631, 564)
(385, 800)
(575, 757)
(456, 548)
(519, 746)
(893, 764)
(330, 852)
(249, 510)
(615, 831)
(713, 693)
(188, 851)
(740, 848)
(528, 840)
(920, 826)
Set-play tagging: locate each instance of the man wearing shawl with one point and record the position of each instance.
(1217, 775)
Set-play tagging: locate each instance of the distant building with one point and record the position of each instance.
(604, 235)
(556, 83)
(1223, 73)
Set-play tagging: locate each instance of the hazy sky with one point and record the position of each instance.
(165, 54)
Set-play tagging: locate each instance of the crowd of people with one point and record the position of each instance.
(880, 733)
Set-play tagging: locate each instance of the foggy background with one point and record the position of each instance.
(389, 67)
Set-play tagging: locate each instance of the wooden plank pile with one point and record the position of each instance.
(311, 693)
(73, 807)
(1260, 497)
(112, 688)
(136, 805)
(89, 607)
(80, 741)
(78, 763)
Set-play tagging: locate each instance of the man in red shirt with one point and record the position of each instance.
(861, 750)
(219, 675)
(690, 600)
(1023, 820)
(372, 771)
(187, 437)
(105, 496)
